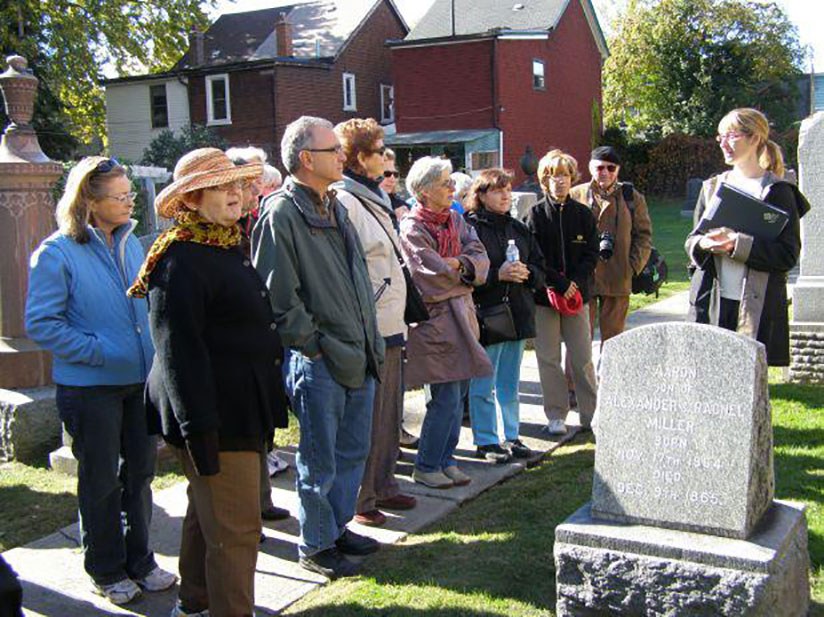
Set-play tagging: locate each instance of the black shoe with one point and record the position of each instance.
(273, 513)
(519, 449)
(351, 543)
(493, 453)
(330, 563)
(409, 441)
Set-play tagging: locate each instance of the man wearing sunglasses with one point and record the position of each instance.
(623, 222)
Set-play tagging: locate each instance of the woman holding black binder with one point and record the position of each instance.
(739, 281)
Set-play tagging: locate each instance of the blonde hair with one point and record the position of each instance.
(557, 162)
(84, 185)
(753, 123)
(487, 180)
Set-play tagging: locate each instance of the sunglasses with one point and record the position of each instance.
(609, 168)
(106, 166)
(391, 174)
(380, 150)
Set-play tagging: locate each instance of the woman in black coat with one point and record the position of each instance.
(508, 282)
(215, 390)
(567, 233)
(739, 282)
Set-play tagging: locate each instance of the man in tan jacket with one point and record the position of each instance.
(630, 230)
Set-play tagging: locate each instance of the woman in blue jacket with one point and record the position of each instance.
(77, 308)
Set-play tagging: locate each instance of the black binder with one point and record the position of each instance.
(733, 208)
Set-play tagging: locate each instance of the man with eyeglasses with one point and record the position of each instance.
(625, 233)
(308, 254)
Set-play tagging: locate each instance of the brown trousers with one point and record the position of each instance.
(611, 312)
(265, 483)
(221, 531)
(379, 475)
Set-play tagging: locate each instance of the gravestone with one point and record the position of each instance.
(671, 472)
(693, 192)
(807, 327)
(682, 518)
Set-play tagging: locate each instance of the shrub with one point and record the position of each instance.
(167, 148)
(676, 159)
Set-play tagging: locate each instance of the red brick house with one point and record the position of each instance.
(250, 74)
(504, 76)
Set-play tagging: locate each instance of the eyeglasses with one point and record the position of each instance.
(729, 136)
(124, 199)
(237, 185)
(380, 150)
(391, 174)
(336, 149)
(609, 168)
(106, 166)
(447, 184)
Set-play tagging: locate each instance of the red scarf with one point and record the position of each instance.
(442, 227)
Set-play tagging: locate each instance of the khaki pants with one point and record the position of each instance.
(612, 315)
(550, 329)
(221, 531)
(379, 475)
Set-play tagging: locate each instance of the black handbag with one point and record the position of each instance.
(415, 310)
(496, 322)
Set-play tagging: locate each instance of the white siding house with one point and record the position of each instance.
(138, 111)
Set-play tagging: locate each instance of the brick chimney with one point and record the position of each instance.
(283, 36)
(196, 47)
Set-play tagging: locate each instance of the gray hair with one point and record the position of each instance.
(298, 136)
(271, 175)
(462, 183)
(249, 154)
(425, 172)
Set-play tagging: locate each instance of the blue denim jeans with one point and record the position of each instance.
(335, 429)
(501, 385)
(441, 425)
(116, 461)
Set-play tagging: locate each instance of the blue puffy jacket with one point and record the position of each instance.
(77, 308)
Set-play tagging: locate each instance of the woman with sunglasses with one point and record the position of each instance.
(77, 308)
(370, 212)
(739, 281)
(391, 175)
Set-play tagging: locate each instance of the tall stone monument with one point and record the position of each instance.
(28, 422)
(682, 518)
(807, 327)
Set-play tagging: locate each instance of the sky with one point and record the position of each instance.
(807, 15)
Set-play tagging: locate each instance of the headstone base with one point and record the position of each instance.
(63, 460)
(605, 568)
(29, 424)
(807, 353)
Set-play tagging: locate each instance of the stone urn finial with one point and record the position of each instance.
(19, 89)
(529, 162)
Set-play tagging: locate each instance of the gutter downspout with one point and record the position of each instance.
(495, 102)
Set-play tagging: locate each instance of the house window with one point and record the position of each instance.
(218, 103)
(484, 160)
(350, 99)
(387, 104)
(160, 110)
(538, 76)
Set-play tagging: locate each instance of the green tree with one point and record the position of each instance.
(167, 148)
(680, 65)
(68, 42)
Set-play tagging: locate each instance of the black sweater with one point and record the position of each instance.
(216, 381)
(568, 237)
(494, 231)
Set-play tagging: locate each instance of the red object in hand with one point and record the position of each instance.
(565, 306)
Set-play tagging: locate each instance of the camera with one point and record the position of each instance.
(606, 245)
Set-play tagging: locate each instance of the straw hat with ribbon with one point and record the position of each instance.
(201, 169)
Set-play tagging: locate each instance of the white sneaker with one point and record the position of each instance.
(157, 580)
(121, 592)
(456, 475)
(556, 427)
(178, 612)
(275, 464)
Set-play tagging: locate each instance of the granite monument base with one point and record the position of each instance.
(605, 568)
(29, 424)
(807, 352)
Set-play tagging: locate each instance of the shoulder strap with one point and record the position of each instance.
(628, 193)
(378, 221)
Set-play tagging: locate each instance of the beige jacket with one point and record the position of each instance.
(633, 236)
(376, 239)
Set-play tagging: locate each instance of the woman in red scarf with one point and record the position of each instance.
(447, 261)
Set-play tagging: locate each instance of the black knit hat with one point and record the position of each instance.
(605, 153)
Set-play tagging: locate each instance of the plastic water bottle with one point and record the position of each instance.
(512, 253)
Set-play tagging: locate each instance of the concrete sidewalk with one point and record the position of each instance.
(51, 569)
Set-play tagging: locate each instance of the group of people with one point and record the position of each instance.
(311, 299)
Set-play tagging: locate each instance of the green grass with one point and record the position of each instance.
(494, 555)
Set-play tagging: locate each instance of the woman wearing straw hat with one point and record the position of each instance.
(77, 308)
(215, 389)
